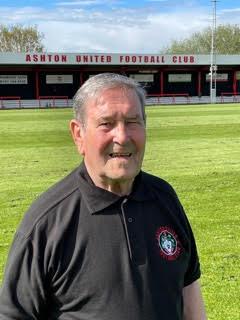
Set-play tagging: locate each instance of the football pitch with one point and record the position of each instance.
(194, 147)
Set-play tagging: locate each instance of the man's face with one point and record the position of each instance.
(113, 136)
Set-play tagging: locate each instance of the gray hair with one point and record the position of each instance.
(93, 87)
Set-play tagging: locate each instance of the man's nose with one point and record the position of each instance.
(121, 134)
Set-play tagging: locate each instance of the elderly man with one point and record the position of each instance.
(108, 242)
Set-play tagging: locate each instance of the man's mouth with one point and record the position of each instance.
(120, 154)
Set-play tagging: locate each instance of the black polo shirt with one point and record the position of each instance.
(83, 253)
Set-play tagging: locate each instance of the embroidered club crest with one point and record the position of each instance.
(167, 239)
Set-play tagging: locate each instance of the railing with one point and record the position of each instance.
(159, 96)
(10, 102)
(15, 102)
(53, 101)
(234, 95)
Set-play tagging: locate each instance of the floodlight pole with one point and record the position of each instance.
(213, 67)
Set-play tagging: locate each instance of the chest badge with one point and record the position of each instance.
(168, 243)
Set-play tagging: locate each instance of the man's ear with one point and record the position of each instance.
(77, 131)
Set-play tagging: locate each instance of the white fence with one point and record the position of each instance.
(67, 103)
(40, 104)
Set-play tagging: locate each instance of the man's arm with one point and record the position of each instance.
(193, 302)
(22, 295)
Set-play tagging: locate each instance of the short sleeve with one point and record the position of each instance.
(22, 293)
(193, 271)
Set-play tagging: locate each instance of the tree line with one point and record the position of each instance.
(17, 38)
(226, 41)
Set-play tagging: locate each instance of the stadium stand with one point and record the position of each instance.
(43, 80)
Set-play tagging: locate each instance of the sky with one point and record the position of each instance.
(116, 26)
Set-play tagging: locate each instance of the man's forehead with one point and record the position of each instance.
(116, 94)
(110, 98)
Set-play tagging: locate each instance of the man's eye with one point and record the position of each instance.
(105, 124)
(132, 121)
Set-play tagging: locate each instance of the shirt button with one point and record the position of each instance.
(130, 219)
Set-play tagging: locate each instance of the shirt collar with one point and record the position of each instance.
(97, 199)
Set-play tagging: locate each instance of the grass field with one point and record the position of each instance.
(195, 148)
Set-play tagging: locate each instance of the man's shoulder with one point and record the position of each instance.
(158, 184)
(164, 192)
(59, 191)
(56, 196)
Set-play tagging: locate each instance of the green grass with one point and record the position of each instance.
(195, 148)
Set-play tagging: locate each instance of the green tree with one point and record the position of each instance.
(17, 38)
(227, 41)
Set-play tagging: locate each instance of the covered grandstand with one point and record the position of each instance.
(51, 79)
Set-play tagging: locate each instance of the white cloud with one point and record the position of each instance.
(80, 3)
(232, 10)
(231, 16)
(156, 0)
(118, 30)
(124, 36)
